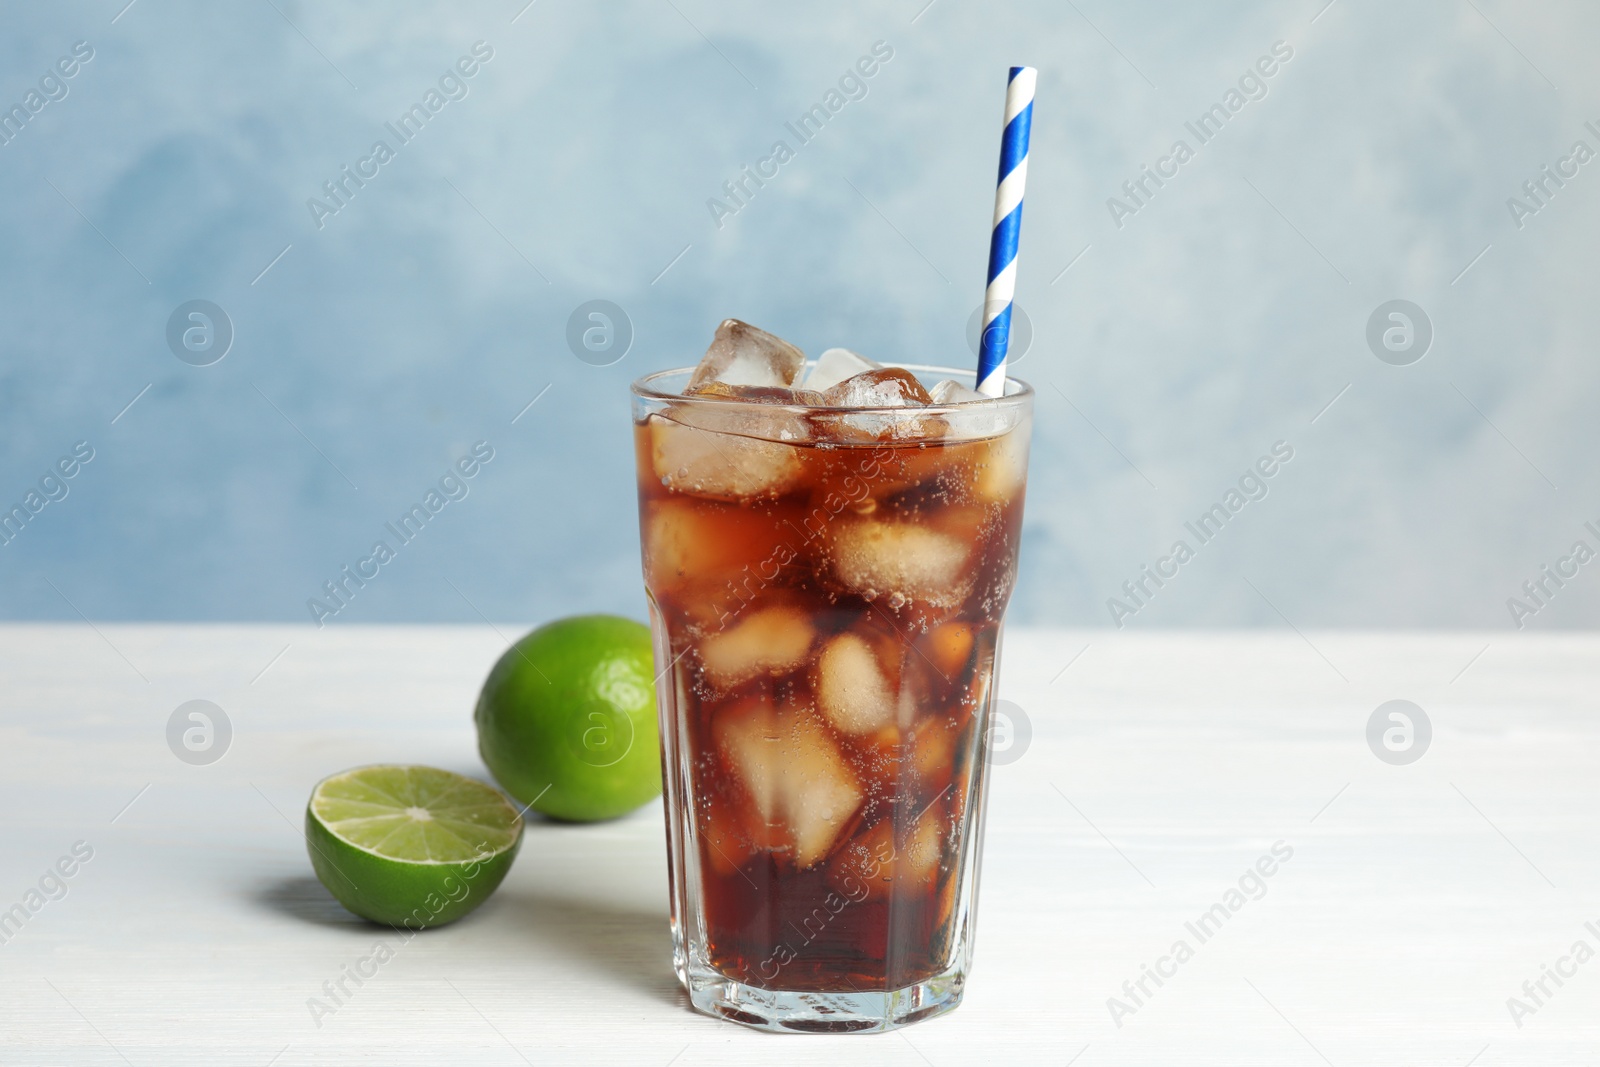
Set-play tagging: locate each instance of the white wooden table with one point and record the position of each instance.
(1418, 898)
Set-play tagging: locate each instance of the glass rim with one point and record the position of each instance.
(1018, 393)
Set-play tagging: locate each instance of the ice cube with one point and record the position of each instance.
(676, 543)
(852, 689)
(772, 641)
(834, 366)
(793, 771)
(888, 472)
(691, 457)
(967, 523)
(1002, 472)
(910, 690)
(886, 559)
(978, 416)
(864, 867)
(695, 552)
(740, 354)
(950, 647)
(951, 391)
(919, 858)
(757, 394)
(934, 750)
(943, 920)
(873, 863)
(884, 387)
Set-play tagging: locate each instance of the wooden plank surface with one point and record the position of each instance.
(1414, 902)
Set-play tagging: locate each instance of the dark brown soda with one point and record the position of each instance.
(865, 894)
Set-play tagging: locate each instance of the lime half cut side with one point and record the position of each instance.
(410, 846)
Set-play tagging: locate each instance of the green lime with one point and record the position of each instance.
(567, 719)
(410, 846)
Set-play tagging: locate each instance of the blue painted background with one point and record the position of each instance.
(1173, 344)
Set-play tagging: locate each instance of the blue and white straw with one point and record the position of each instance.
(1007, 228)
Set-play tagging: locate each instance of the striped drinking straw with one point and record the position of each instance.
(1007, 227)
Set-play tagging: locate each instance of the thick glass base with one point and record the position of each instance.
(789, 1012)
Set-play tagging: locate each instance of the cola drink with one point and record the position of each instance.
(827, 570)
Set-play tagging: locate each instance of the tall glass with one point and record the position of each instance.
(826, 591)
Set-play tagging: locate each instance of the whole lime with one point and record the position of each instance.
(567, 719)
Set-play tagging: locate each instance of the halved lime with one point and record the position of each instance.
(410, 846)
